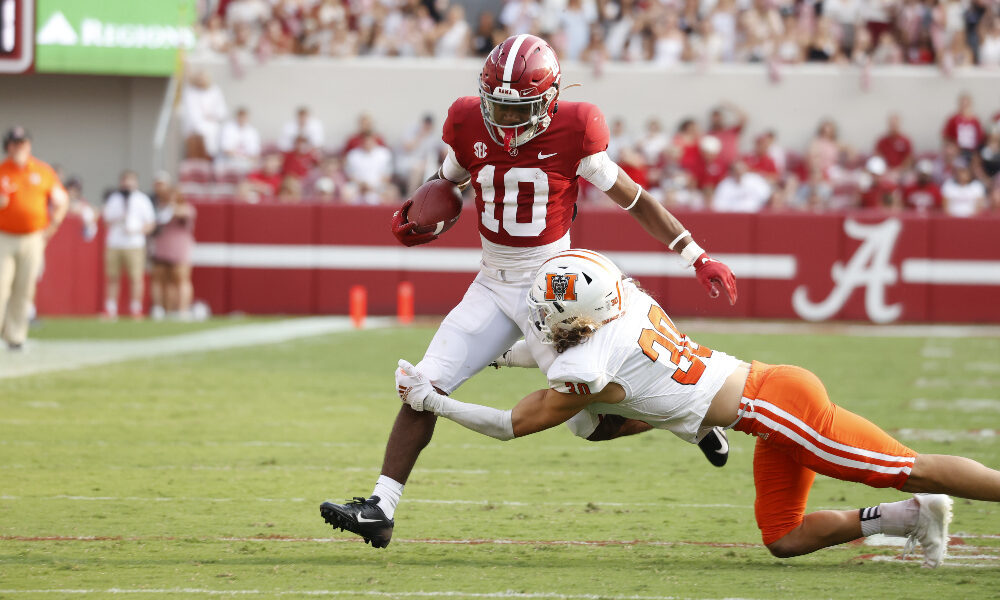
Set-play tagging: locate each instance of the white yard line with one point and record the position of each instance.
(373, 593)
(45, 356)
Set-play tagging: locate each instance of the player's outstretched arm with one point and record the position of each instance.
(539, 410)
(663, 226)
(517, 355)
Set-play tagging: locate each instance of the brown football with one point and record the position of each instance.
(436, 206)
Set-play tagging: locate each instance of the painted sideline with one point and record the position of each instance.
(46, 356)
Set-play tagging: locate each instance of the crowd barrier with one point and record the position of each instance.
(303, 259)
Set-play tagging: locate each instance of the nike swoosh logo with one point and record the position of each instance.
(725, 445)
(544, 156)
(364, 520)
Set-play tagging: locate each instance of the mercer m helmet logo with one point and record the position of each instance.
(560, 287)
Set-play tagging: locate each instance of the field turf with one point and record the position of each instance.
(200, 475)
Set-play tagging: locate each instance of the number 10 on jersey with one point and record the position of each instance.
(532, 221)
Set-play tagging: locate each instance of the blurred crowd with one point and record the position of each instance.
(703, 162)
(950, 33)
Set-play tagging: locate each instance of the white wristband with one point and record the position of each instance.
(691, 252)
(638, 193)
(481, 419)
(678, 238)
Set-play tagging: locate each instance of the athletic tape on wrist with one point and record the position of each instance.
(691, 252)
(678, 238)
(638, 193)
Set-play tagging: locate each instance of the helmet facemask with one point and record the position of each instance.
(513, 120)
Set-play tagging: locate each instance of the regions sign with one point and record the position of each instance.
(119, 37)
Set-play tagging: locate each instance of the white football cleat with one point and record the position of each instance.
(931, 529)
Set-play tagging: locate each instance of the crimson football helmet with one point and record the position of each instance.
(518, 89)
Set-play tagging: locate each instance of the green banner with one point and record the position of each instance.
(119, 37)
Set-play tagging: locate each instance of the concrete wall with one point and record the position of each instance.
(398, 91)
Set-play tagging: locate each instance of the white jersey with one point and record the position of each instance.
(669, 380)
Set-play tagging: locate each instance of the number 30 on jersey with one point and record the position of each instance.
(688, 367)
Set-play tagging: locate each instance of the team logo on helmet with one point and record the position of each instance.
(479, 150)
(560, 287)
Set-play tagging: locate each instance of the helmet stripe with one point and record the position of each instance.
(573, 254)
(508, 68)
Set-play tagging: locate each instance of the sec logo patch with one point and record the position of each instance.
(479, 150)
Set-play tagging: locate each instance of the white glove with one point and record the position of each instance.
(501, 361)
(412, 386)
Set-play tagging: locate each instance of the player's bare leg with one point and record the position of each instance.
(955, 476)
(410, 434)
(372, 518)
(922, 519)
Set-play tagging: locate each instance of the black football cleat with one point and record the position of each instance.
(715, 446)
(362, 517)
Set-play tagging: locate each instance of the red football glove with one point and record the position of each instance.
(404, 231)
(712, 274)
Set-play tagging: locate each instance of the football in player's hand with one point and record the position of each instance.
(436, 206)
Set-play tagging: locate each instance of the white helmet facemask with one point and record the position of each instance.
(572, 285)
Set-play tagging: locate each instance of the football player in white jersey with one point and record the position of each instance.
(617, 352)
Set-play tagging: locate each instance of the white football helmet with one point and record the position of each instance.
(573, 284)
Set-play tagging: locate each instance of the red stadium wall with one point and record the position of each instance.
(303, 259)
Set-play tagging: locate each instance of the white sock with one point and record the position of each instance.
(135, 307)
(890, 518)
(111, 307)
(388, 491)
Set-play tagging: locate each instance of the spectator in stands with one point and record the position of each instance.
(728, 131)
(823, 47)
(895, 147)
(370, 167)
(887, 51)
(80, 208)
(213, 37)
(265, 181)
(989, 44)
(986, 162)
(521, 16)
(275, 40)
(290, 190)
(654, 142)
(761, 24)
(240, 144)
(963, 195)
(924, 194)
(669, 44)
(681, 191)
(824, 151)
(366, 126)
(300, 160)
(963, 128)
(304, 124)
(488, 34)
(330, 183)
(129, 217)
(878, 187)
(162, 188)
(684, 145)
(203, 110)
(710, 169)
(420, 154)
(741, 191)
(452, 36)
(956, 54)
(619, 138)
(760, 161)
(171, 258)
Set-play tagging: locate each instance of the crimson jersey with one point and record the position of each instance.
(525, 200)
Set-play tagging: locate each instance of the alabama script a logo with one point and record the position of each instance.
(869, 267)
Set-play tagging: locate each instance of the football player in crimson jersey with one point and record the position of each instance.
(523, 152)
(618, 353)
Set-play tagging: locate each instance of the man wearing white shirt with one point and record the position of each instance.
(370, 166)
(963, 196)
(203, 109)
(742, 191)
(129, 218)
(239, 143)
(304, 124)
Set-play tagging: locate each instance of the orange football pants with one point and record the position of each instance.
(800, 433)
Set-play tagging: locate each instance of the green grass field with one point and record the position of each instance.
(200, 475)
